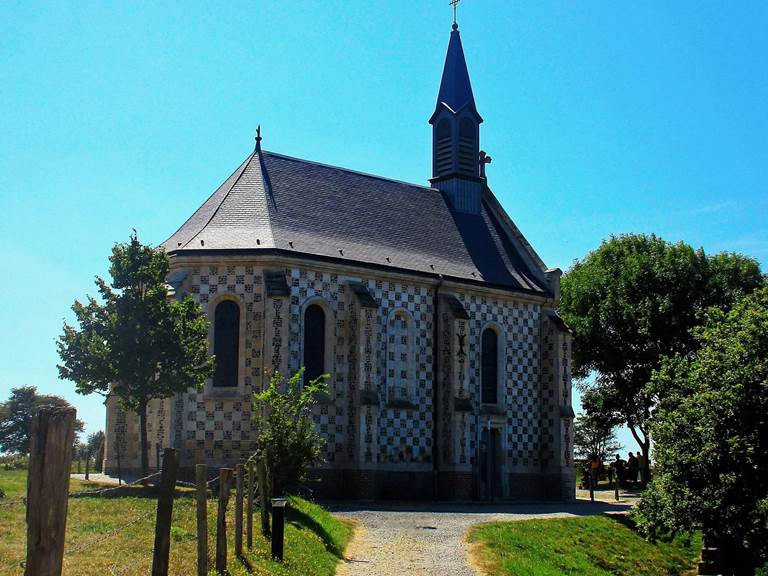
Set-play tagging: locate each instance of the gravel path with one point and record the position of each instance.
(431, 540)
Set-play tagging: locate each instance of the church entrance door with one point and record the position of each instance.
(490, 464)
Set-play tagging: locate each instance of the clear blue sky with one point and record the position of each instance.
(601, 118)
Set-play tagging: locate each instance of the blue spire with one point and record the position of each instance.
(455, 87)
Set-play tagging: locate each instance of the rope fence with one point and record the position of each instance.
(101, 491)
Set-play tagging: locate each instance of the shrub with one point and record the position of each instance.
(287, 440)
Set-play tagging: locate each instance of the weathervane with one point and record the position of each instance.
(454, 3)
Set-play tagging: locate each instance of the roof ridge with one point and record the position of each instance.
(358, 172)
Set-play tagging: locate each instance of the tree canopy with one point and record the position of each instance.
(16, 417)
(137, 342)
(710, 436)
(593, 432)
(632, 302)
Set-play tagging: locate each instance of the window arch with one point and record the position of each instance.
(226, 343)
(314, 342)
(399, 350)
(489, 367)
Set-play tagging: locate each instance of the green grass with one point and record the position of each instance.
(115, 535)
(592, 546)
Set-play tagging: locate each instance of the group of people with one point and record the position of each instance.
(626, 472)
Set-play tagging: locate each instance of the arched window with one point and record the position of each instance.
(443, 147)
(314, 342)
(399, 370)
(226, 343)
(490, 367)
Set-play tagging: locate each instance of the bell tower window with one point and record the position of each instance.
(467, 153)
(443, 147)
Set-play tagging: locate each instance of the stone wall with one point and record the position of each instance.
(379, 329)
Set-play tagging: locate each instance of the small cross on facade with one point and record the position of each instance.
(454, 3)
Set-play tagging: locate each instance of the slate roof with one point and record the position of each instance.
(275, 202)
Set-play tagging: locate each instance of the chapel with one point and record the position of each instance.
(434, 316)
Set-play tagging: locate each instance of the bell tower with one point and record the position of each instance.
(456, 134)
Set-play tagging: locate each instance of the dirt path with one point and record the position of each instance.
(431, 540)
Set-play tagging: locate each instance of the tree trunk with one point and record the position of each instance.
(143, 436)
(646, 471)
(645, 448)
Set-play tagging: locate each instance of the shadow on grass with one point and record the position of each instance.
(303, 521)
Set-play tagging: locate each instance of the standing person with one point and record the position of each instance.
(594, 470)
(611, 472)
(642, 463)
(619, 469)
(633, 466)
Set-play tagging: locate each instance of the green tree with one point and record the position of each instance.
(287, 441)
(16, 417)
(137, 343)
(711, 438)
(634, 301)
(95, 445)
(594, 432)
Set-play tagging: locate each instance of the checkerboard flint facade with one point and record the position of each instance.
(374, 446)
(409, 279)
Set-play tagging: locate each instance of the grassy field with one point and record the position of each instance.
(114, 536)
(592, 546)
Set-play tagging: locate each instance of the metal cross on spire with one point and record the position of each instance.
(454, 3)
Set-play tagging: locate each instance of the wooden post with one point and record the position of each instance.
(50, 461)
(225, 477)
(591, 487)
(264, 495)
(164, 513)
(87, 462)
(249, 509)
(157, 456)
(201, 480)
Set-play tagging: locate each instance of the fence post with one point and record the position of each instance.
(225, 477)
(164, 513)
(201, 480)
(263, 496)
(249, 513)
(239, 511)
(50, 459)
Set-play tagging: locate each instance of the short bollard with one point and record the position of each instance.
(278, 527)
